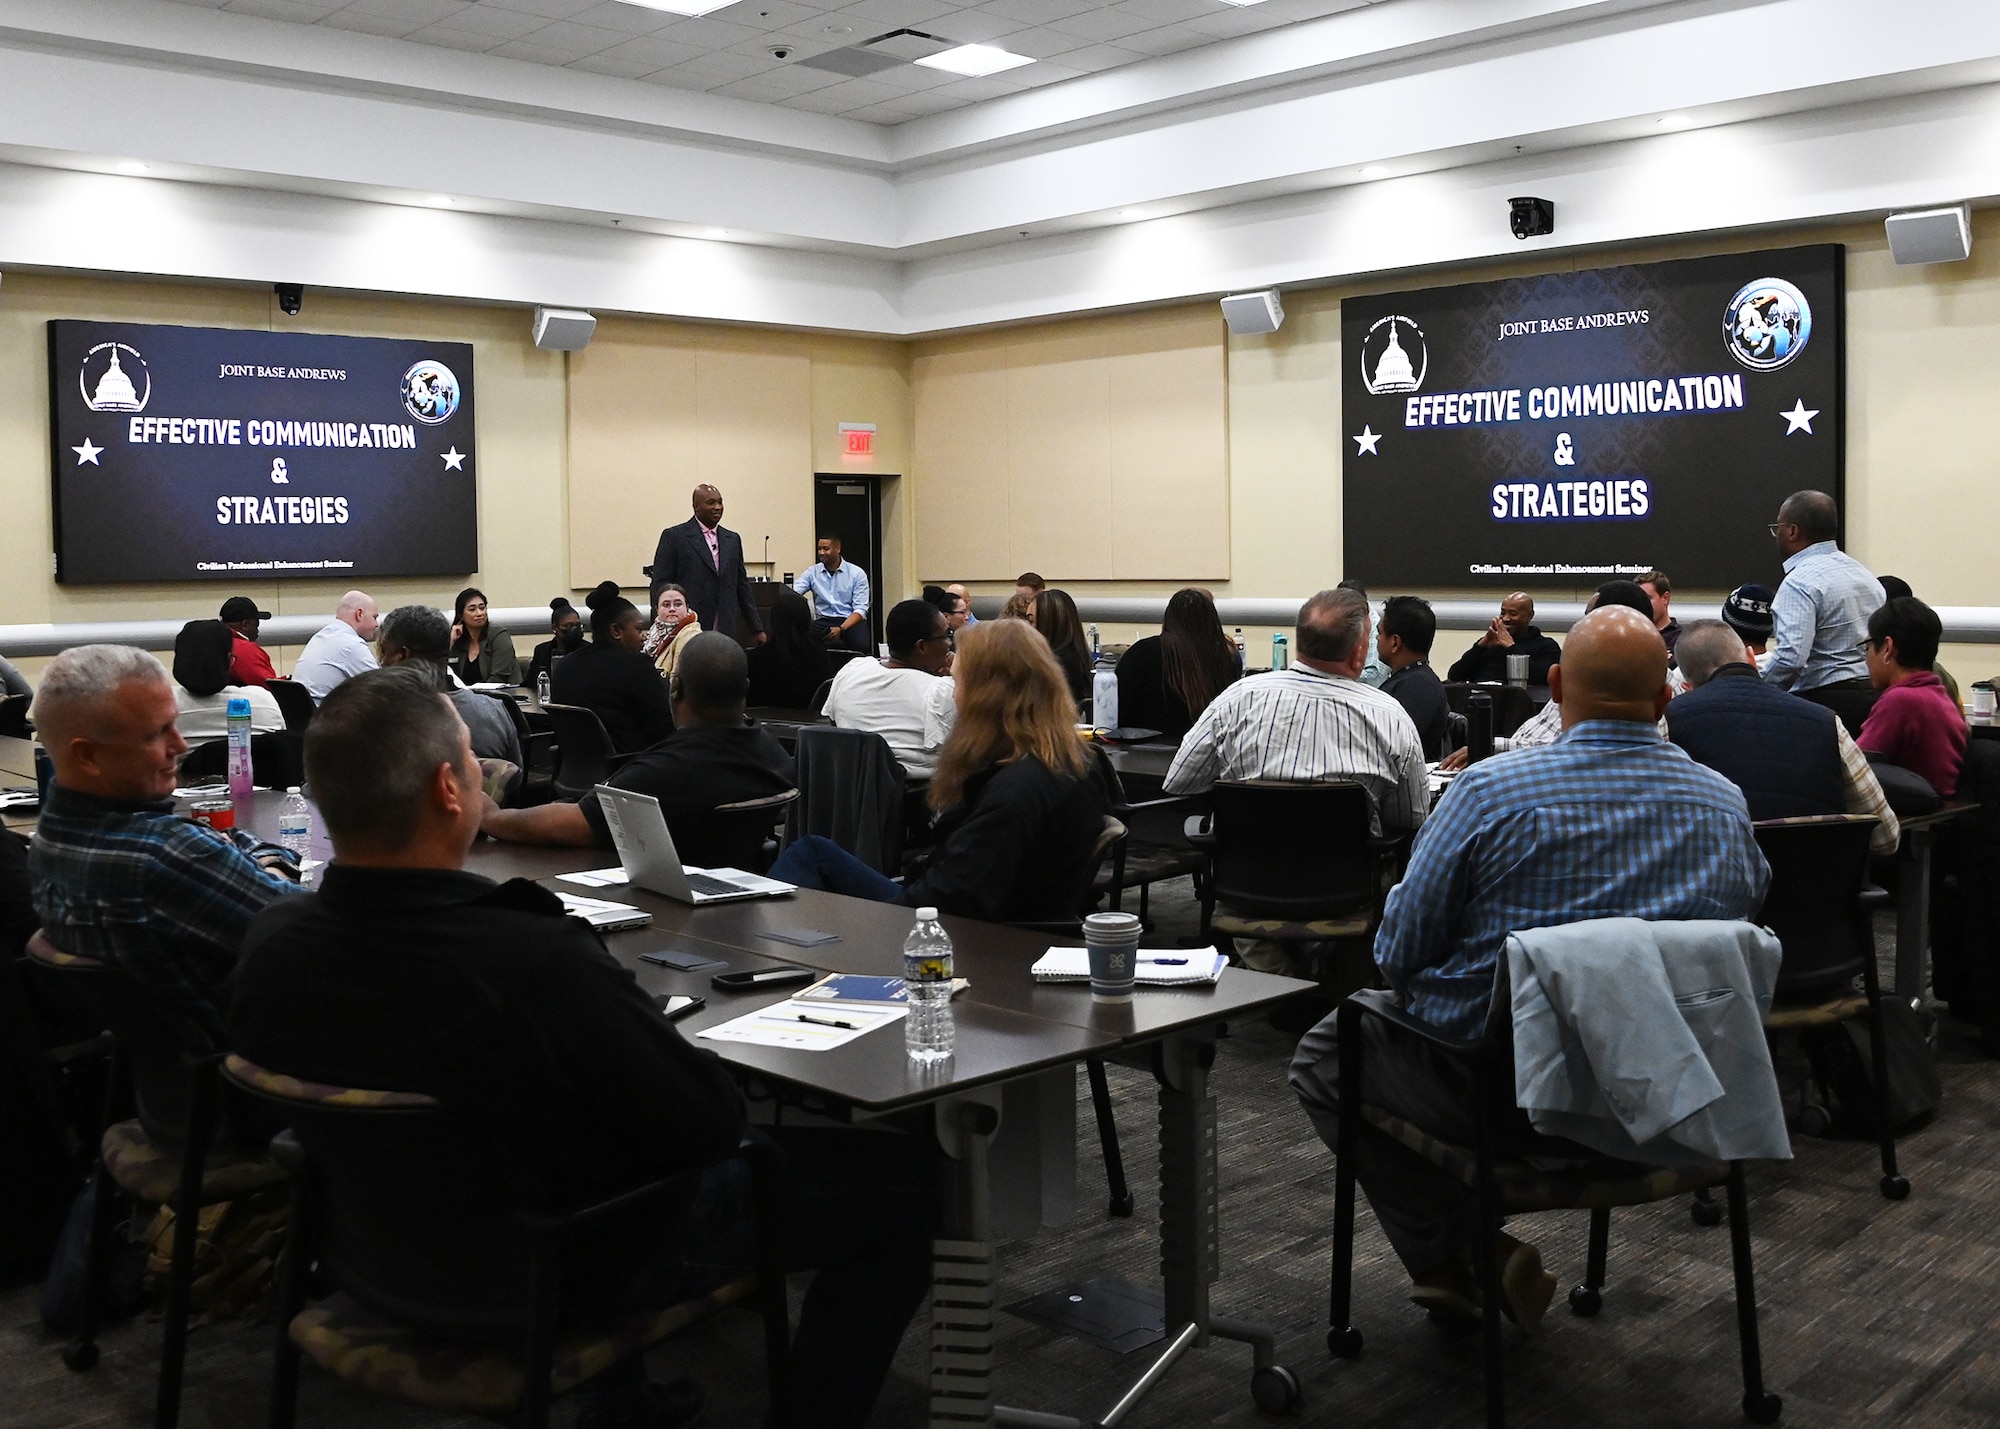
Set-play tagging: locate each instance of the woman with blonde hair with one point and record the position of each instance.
(1020, 800)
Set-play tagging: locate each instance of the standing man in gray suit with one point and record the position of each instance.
(705, 559)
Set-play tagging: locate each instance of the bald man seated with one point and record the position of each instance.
(1609, 821)
(711, 758)
(341, 648)
(1511, 632)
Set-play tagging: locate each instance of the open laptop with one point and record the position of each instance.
(646, 850)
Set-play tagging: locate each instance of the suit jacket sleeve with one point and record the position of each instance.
(1543, 658)
(745, 601)
(665, 565)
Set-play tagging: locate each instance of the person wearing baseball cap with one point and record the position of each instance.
(248, 664)
(1747, 611)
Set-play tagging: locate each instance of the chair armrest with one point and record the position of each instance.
(1872, 897)
(1198, 832)
(1376, 1002)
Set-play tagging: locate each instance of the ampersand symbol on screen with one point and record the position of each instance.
(1565, 454)
(278, 477)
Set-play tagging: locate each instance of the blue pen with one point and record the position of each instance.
(1169, 962)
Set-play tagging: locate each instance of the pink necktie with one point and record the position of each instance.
(714, 548)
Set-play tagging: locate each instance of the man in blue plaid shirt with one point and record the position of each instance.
(117, 874)
(1609, 821)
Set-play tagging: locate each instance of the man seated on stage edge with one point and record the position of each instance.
(1609, 821)
(712, 758)
(406, 972)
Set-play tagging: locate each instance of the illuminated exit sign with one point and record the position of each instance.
(857, 438)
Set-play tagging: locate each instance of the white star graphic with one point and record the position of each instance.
(1365, 443)
(454, 460)
(88, 452)
(1799, 419)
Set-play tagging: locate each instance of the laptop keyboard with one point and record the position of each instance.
(702, 883)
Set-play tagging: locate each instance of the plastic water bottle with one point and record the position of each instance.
(295, 824)
(240, 785)
(542, 687)
(928, 1034)
(1104, 696)
(1095, 649)
(1281, 653)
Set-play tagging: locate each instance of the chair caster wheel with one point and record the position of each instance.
(1762, 1408)
(1120, 1206)
(1815, 1120)
(1343, 1342)
(1706, 1213)
(1585, 1300)
(1276, 1390)
(1896, 1188)
(80, 1356)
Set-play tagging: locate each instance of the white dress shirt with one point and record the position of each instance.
(1308, 727)
(332, 655)
(911, 710)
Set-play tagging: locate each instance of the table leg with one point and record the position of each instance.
(961, 1368)
(1913, 916)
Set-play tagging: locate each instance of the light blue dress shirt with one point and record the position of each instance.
(1819, 619)
(836, 594)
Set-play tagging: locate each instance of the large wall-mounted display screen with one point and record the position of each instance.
(185, 453)
(1565, 429)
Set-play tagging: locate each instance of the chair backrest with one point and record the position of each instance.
(1108, 838)
(295, 702)
(736, 835)
(515, 714)
(818, 700)
(413, 1210)
(1819, 865)
(851, 791)
(156, 1040)
(584, 748)
(14, 716)
(277, 760)
(1290, 850)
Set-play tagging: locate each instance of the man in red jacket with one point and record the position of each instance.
(248, 664)
(1914, 722)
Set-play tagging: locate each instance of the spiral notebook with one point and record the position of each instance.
(1194, 967)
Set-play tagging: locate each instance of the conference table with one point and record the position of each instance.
(17, 760)
(1002, 1108)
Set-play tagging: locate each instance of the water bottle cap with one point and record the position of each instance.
(293, 790)
(927, 915)
(239, 705)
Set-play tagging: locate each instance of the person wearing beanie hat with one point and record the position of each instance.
(1747, 611)
(248, 664)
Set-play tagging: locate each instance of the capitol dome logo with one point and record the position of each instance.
(1767, 324)
(430, 392)
(1393, 356)
(107, 379)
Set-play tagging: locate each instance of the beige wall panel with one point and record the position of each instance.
(1059, 457)
(753, 411)
(960, 466)
(1169, 453)
(633, 453)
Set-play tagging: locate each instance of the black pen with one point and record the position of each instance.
(827, 1022)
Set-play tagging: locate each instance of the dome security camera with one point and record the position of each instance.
(781, 52)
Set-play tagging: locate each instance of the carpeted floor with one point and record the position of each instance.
(1872, 1312)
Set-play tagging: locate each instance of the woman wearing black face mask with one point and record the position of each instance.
(567, 626)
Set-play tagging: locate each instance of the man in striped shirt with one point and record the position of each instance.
(117, 874)
(1609, 821)
(1316, 721)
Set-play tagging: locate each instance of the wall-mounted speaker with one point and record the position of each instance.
(1933, 235)
(563, 329)
(1251, 313)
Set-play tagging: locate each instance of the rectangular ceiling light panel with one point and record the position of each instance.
(975, 60)
(682, 7)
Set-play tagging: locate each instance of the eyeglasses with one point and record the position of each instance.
(1776, 526)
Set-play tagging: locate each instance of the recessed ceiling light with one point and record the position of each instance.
(133, 166)
(681, 7)
(975, 60)
(1374, 171)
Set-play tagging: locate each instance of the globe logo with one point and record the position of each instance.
(430, 392)
(1767, 324)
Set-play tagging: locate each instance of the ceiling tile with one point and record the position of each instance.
(1040, 42)
(1035, 12)
(302, 12)
(626, 19)
(453, 39)
(370, 24)
(976, 27)
(547, 9)
(1102, 25)
(580, 39)
(793, 78)
(618, 69)
(1167, 40)
(720, 67)
(417, 12)
(1235, 20)
(709, 33)
(1168, 12)
(1035, 76)
(875, 16)
(652, 51)
(1093, 58)
(770, 15)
